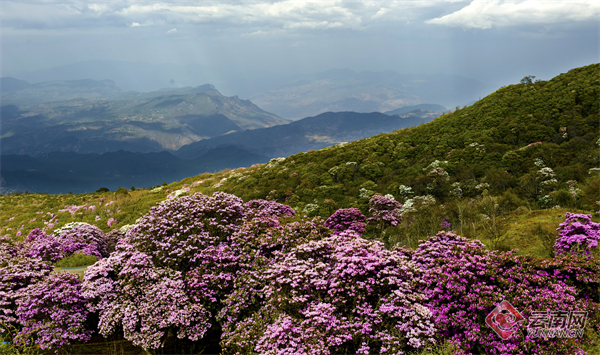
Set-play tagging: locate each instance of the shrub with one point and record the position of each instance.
(385, 210)
(52, 312)
(346, 219)
(464, 283)
(15, 274)
(578, 235)
(174, 268)
(341, 294)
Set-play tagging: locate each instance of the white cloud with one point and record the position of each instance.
(485, 14)
(270, 16)
(171, 31)
(251, 15)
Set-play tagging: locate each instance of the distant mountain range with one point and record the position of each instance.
(309, 133)
(88, 116)
(292, 96)
(61, 172)
(421, 107)
(346, 90)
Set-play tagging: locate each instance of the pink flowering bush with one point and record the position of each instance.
(52, 312)
(170, 272)
(259, 243)
(8, 249)
(83, 238)
(578, 235)
(17, 273)
(385, 211)
(341, 294)
(346, 219)
(465, 282)
(264, 208)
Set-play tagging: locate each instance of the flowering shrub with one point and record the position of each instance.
(346, 219)
(263, 208)
(405, 191)
(73, 208)
(8, 250)
(341, 294)
(17, 273)
(81, 237)
(169, 272)
(173, 268)
(464, 283)
(43, 246)
(52, 312)
(577, 234)
(259, 243)
(310, 209)
(385, 210)
(144, 301)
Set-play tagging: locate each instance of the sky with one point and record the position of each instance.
(494, 41)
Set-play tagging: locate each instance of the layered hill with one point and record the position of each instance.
(63, 172)
(310, 133)
(58, 172)
(98, 121)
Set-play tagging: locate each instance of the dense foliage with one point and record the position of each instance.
(211, 273)
(578, 234)
(531, 144)
(329, 271)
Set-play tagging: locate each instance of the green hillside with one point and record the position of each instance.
(504, 170)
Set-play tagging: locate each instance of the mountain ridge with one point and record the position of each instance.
(145, 122)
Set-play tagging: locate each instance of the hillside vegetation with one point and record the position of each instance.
(211, 273)
(531, 145)
(528, 146)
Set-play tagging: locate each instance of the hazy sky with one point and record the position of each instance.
(490, 40)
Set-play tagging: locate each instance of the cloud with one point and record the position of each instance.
(171, 31)
(486, 14)
(259, 15)
(275, 16)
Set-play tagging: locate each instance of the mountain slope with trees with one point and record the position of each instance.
(529, 145)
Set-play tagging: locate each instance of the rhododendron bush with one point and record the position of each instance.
(64, 242)
(341, 294)
(578, 235)
(212, 273)
(52, 312)
(465, 282)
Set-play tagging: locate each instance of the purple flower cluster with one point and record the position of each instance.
(340, 294)
(464, 283)
(346, 219)
(261, 208)
(174, 268)
(577, 234)
(385, 211)
(201, 268)
(52, 311)
(48, 310)
(17, 273)
(83, 238)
